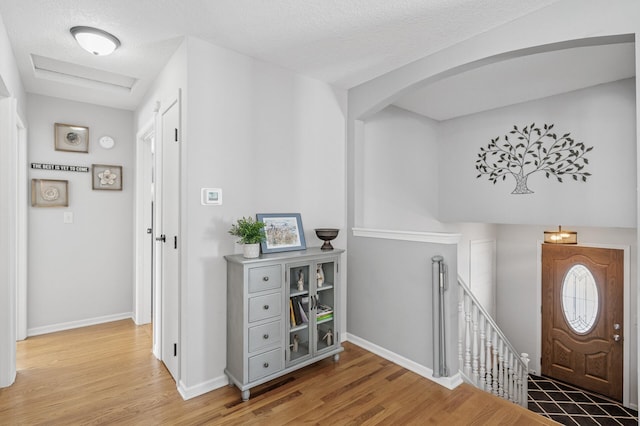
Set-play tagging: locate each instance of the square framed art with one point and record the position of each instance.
(106, 177)
(72, 138)
(49, 193)
(284, 232)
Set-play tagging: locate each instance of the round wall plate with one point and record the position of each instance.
(107, 142)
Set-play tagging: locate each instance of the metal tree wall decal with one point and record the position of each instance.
(529, 150)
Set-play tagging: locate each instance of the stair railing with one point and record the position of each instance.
(486, 358)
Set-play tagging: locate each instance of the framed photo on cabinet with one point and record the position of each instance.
(284, 232)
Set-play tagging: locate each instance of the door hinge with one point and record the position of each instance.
(175, 349)
(175, 242)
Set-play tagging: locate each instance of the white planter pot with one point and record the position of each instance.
(251, 251)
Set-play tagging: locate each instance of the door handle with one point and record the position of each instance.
(616, 337)
(162, 238)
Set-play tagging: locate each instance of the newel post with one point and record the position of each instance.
(439, 285)
(525, 379)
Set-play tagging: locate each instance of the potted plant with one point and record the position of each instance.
(251, 233)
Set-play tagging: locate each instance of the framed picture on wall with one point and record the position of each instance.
(283, 231)
(105, 177)
(72, 138)
(49, 193)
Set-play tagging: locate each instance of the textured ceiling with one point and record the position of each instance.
(342, 42)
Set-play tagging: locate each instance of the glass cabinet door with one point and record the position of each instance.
(299, 305)
(325, 292)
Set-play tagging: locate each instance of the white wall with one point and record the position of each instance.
(81, 271)
(9, 74)
(519, 291)
(10, 86)
(399, 166)
(603, 116)
(274, 142)
(165, 87)
(400, 172)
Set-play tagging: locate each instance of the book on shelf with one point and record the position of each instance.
(324, 309)
(303, 315)
(325, 317)
(293, 317)
(296, 311)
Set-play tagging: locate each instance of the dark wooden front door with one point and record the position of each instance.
(582, 312)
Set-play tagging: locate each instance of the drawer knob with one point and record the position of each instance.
(265, 307)
(265, 336)
(265, 365)
(265, 278)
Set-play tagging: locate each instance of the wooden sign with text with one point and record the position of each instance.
(60, 167)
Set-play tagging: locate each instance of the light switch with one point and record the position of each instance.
(68, 217)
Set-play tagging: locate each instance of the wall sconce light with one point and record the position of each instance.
(95, 41)
(560, 237)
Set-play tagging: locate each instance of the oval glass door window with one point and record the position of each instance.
(580, 299)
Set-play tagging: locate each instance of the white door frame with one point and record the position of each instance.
(142, 296)
(627, 316)
(160, 247)
(21, 189)
(8, 237)
(151, 130)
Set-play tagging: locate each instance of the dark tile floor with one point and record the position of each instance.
(570, 406)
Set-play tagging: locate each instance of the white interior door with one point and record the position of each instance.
(148, 245)
(168, 209)
(482, 273)
(144, 226)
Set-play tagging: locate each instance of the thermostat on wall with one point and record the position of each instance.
(211, 196)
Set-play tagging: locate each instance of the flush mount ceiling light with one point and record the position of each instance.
(95, 41)
(560, 237)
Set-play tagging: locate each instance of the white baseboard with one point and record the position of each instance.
(202, 388)
(77, 324)
(448, 382)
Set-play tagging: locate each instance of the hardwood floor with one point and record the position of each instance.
(106, 374)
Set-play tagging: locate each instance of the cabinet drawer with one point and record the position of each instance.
(263, 307)
(265, 278)
(264, 364)
(262, 336)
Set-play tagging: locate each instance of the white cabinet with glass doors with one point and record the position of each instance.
(282, 314)
(311, 290)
